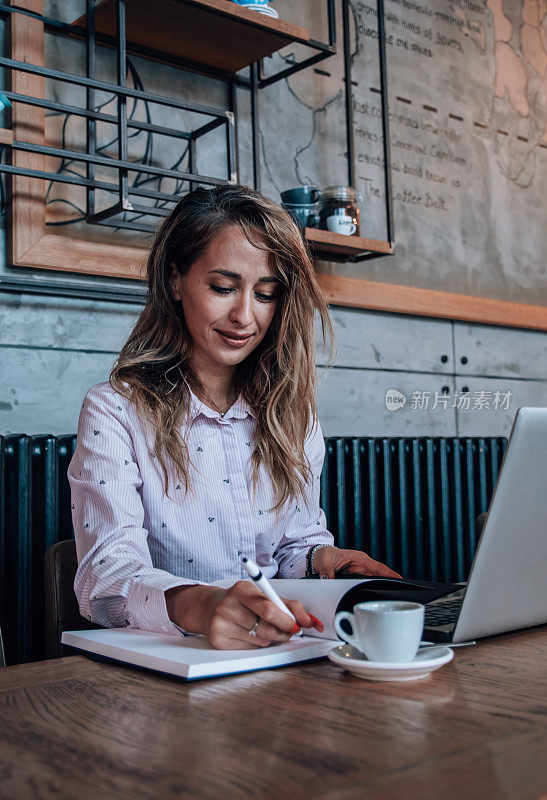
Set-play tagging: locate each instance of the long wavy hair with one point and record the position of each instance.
(277, 379)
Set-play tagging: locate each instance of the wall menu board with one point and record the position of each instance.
(468, 134)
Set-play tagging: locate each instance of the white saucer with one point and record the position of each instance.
(269, 12)
(346, 656)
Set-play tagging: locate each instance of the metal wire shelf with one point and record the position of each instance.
(129, 190)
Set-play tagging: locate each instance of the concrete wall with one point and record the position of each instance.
(52, 350)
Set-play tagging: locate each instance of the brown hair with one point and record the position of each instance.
(277, 379)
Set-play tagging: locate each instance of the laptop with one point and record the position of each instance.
(507, 586)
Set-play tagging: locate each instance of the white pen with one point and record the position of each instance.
(255, 573)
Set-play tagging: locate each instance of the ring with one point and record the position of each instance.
(252, 632)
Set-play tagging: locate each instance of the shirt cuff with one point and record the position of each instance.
(295, 566)
(147, 606)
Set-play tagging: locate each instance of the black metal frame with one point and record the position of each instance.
(388, 193)
(324, 51)
(126, 194)
(91, 158)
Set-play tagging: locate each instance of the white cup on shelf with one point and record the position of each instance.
(341, 223)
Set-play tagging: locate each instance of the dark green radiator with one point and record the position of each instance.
(34, 514)
(409, 502)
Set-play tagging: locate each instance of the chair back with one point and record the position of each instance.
(61, 606)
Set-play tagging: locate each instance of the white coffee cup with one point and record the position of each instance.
(384, 630)
(341, 223)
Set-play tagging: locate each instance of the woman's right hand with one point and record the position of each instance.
(225, 616)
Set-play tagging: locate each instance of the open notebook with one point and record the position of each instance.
(193, 657)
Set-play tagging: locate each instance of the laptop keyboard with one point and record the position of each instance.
(442, 613)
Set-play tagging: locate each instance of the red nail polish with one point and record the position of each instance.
(295, 628)
(316, 622)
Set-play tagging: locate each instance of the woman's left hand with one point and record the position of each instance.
(329, 560)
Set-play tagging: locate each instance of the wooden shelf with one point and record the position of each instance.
(6, 136)
(215, 33)
(327, 245)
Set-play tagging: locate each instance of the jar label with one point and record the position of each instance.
(341, 223)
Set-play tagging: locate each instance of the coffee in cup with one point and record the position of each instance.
(384, 630)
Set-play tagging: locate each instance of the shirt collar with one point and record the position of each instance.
(240, 409)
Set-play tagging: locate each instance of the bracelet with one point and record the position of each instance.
(311, 551)
(310, 569)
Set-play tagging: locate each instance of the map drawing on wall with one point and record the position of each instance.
(520, 87)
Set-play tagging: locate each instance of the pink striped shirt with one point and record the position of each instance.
(134, 543)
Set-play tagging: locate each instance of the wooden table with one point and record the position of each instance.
(77, 728)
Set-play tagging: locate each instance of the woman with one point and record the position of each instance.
(204, 446)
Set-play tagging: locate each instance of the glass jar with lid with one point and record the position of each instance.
(339, 212)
